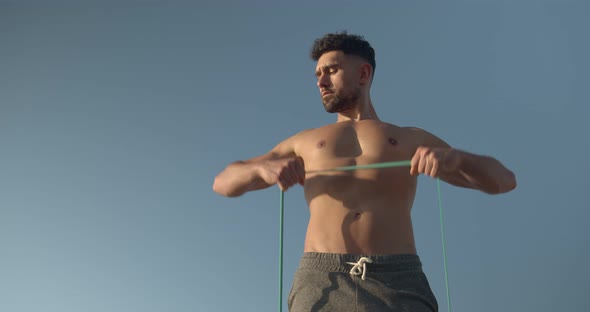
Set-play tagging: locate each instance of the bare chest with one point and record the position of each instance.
(354, 144)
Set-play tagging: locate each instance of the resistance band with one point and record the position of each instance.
(360, 167)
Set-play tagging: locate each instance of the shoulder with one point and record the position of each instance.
(424, 138)
(287, 147)
(415, 131)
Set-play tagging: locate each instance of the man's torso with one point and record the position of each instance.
(363, 211)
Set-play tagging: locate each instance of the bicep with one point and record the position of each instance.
(424, 138)
(284, 149)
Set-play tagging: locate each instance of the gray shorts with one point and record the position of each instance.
(327, 282)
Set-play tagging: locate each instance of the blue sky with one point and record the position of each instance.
(116, 117)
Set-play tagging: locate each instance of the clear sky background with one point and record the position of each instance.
(115, 118)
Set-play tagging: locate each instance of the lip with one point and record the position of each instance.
(326, 93)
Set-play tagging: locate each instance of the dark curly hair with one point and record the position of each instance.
(348, 44)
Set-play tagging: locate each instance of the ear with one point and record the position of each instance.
(366, 71)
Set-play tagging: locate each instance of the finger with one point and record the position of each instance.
(431, 165)
(434, 170)
(286, 183)
(428, 167)
(282, 185)
(294, 176)
(300, 174)
(294, 172)
(414, 162)
(286, 177)
(421, 165)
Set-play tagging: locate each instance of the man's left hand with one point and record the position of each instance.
(432, 161)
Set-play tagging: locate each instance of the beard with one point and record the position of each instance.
(338, 102)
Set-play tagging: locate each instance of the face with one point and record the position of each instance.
(338, 81)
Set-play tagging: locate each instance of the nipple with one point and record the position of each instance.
(321, 143)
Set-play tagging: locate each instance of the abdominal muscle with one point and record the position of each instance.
(360, 216)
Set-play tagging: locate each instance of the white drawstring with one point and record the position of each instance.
(360, 267)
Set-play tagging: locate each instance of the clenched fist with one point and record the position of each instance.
(432, 161)
(285, 172)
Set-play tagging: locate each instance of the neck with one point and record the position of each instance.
(363, 110)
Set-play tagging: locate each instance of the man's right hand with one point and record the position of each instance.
(284, 172)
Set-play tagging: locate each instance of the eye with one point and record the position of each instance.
(333, 70)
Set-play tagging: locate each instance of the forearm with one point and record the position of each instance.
(484, 173)
(237, 179)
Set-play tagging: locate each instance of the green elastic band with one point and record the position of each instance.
(444, 248)
(371, 166)
(281, 251)
(347, 168)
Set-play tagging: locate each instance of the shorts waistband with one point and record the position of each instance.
(343, 262)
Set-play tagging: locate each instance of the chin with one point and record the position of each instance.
(330, 108)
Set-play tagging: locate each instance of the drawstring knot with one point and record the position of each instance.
(360, 267)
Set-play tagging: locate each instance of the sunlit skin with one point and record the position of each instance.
(364, 211)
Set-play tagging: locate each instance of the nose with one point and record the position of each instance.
(323, 81)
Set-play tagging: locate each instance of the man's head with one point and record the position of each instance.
(345, 68)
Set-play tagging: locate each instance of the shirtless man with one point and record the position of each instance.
(359, 252)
